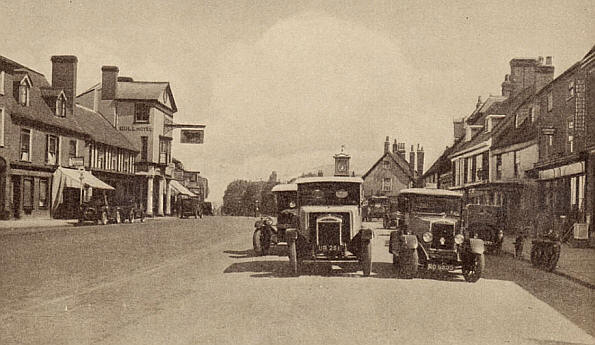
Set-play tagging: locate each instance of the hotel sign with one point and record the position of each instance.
(136, 129)
(192, 136)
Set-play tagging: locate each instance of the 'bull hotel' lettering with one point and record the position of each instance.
(136, 129)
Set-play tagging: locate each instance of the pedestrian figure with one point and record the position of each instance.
(518, 246)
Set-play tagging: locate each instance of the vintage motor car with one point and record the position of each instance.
(286, 202)
(98, 209)
(264, 235)
(376, 208)
(130, 210)
(392, 214)
(329, 226)
(430, 235)
(487, 223)
(189, 206)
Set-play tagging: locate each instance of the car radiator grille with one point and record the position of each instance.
(328, 232)
(445, 232)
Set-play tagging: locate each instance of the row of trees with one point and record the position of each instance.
(250, 198)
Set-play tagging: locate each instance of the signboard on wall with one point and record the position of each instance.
(192, 136)
(76, 162)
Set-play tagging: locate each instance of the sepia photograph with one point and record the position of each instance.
(297, 172)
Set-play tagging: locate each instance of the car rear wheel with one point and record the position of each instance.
(472, 270)
(256, 242)
(292, 253)
(366, 257)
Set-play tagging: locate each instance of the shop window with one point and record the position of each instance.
(25, 145)
(141, 112)
(43, 193)
(72, 148)
(386, 184)
(52, 150)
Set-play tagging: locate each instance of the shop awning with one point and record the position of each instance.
(72, 179)
(178, 187)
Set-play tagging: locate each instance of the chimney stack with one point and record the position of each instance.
(109, 82)
(548, 60)
(401, 150)
(412, 161)
(459, 128)
(506, 86)
(395, 147)
(64, 77)
(540, 60)
(386, 145)
(420, 160)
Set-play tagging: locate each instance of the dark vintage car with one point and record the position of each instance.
(329, 227)
(487, 223)
(392, 214)
(286, 203)
(207, 208)
(430, 237)
(189, 206)
(130, 210)
(99, 210)
(375, 208)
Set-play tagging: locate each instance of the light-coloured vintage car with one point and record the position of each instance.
(430, 235)
(330, 224)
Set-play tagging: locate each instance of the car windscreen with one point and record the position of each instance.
(433, 204)
(286, 200)
(329, 193)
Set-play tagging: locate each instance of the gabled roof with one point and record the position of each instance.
(51, 92)
(442, 163)
(100, 129)
(141, 90)
(398, 160)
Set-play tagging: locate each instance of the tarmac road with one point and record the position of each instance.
(197, 282)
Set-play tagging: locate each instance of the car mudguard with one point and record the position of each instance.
(366, 234)
(477, 245)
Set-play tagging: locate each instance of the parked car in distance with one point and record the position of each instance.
(487, 223)
(99, 210)
(131, 210)
(330, 225)
(392, 214)
(376, 208)
(189, 206)
(430, 236)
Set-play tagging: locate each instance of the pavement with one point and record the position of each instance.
(577, 264)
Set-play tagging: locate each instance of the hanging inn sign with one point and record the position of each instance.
(190, 134)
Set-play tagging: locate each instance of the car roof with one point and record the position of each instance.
(288, 187)
(319, 179)
(431, 191)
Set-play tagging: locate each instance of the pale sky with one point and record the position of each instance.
(282, 85)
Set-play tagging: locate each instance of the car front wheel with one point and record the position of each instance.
(292, 253)
(366, 257)
(410, 263)
(256, 242)
(472, 270)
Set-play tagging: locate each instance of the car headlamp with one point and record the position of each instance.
(291, 204)
(427, 236)
(268, 221)
(459, 239)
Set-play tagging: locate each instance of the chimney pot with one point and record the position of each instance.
(548, 60)
(386, 145)
(540, 60)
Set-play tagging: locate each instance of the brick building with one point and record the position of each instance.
(392, 172)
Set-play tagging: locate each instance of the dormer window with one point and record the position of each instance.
(24, 90)
(61, 105)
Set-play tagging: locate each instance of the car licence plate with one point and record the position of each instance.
(329, 248)
(440, 267)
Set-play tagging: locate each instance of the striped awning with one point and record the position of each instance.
(178, 187)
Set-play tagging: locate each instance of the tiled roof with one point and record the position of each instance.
(442, 163)
(527, 131)
(400, 161)
(50, 92)
(100, 130)
(140, 90)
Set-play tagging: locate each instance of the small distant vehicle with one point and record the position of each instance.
(430, 236)
(392, 214)
(131, 211)
(545, 251)
(189, 206)
(286, 203)
(330, 225)
(207, 208)
(377, 206)
(98, 210)
(487, 223)
(264, 235)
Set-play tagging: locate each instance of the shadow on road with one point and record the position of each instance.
(553, 342)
